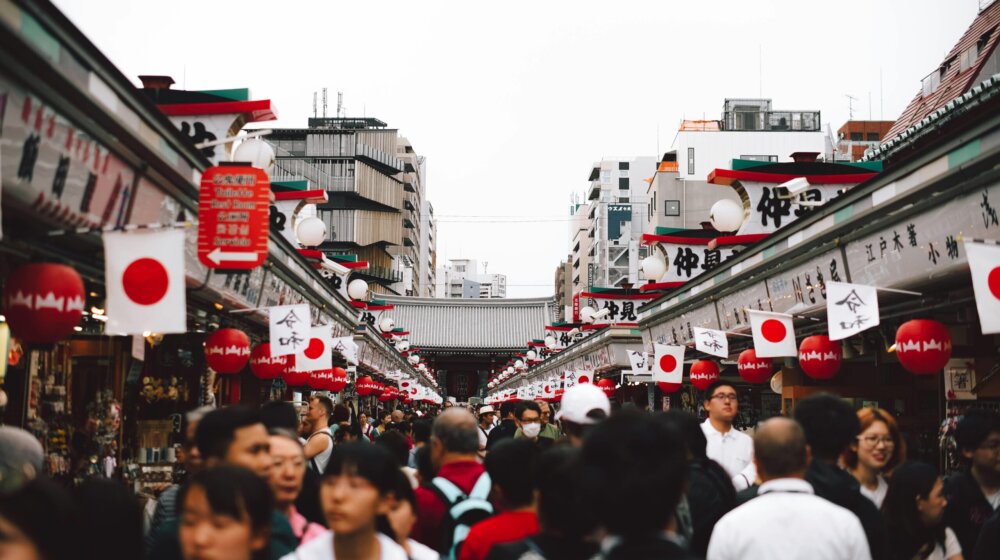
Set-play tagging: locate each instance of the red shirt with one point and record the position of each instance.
(502, 528)
(431, 510)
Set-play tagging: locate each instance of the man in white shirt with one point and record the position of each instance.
(486, 415)
(727, 446)
(786, 520)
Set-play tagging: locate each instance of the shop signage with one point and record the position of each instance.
(769, 212)
(732, 308)
(233, 217)
(689, 261)
(803, 288)
(618, 216)
(288, 329)
(927, 245)
(680, 330)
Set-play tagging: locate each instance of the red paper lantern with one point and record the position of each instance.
(923, 346)
(227, 350)
(390, 393)
(339, 380)
(265, 366)
(820, 357)
(364, 386)
(753, 369)
(703, 373)
(379, 389)
(295, 378)
(608, 386)
(668, 387)
(43, 302)
(320, 379)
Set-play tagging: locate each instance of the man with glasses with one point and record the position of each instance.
(529, 424)
(974, 492)
(727, 446)
(548, 430)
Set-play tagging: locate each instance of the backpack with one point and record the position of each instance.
(463, 512)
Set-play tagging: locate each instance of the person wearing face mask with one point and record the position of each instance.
(529, 424)
(914, 513)
(878, 450)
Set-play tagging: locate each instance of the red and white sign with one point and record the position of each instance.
(233, 217)
(668, 363)
(144, 274)
(984, 263)
(318, 353)
(773, 334)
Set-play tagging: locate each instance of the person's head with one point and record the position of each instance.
(529, 419)
(510, 463)
(454, 437)
(320, 411)
(397, 416)
(357, 487)
(977, 436)
(583, 406)
(880, 446)
(486, 415)
(224, 512)
(385, 419)
(448, 404)
(624, 462)
(722, 402)
(279, 415)
(20, 452)
(38, 519)
(425, 466)
(830, 424)
(363, 418)
(421, 431)
(341, 413)
(563, 508)
(288, 467)
(234, 435)
(189, 455)
(689, 427)
(395, 443)
(507, 409)
(780, 450)
(402, 516)
(546, 411)
(913, 507)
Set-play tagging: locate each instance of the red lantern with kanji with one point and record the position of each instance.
(295, 378)
(320, 379)
(227, 350)
(608, 386)
(923, 346)
(339, 380)
(364, 386)
(265, 366)
(668, 387)
(703, 373)
(753, 369)
(820, 357)
(389, 394)
(43, 302)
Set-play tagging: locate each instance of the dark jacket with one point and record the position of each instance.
(505, 430)
(967, 509)
(710, 496)
(168, 545)
(836, 485)
(543, 546)
(989, 540)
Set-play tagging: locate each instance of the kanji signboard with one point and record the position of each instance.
(233, 212)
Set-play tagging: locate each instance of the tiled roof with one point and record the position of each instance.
(471, 323)
(954, 82)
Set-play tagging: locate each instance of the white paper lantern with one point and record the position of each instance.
(310, 231)
(257, 152)
(414, 359)
(403, 346)
(422, 367)
(357, 289)
(587, 314)
(532, 355)
(519, 364)
(776, 384)
(510, 370)
(550, 342)
(727, 215)
(386, 324)
(653, 267)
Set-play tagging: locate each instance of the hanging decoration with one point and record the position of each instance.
(668, 387)
(753, 369)
(703, 373)
(265, 366)
(227, 351)
(923, 346)
(608, 386)
(820, 357)
(43, 302)
(339, 380)
(364, 386)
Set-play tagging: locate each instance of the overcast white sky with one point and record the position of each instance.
(512, 102)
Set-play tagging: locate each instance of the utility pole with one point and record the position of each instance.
(850, 106)
(324, 103)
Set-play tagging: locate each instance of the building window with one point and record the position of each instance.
(690, 161)
(671, 208)
(856, 137)
(623, 183)
(623, 165)
(873, 136)
(758, 157)
(623, 199)
(930, 84)
(605, 176)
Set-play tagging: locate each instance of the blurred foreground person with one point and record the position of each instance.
(914, 509)
(974, 492)
(288, 472)
(583, 407)
(786, 520)
(190, 458)
(401, 519)
(225, 513)
(38, 519)
(878, 449)
(357, 488)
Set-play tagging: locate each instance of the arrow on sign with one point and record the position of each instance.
(217, 256)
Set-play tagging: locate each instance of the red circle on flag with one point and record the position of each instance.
(145, 281)
(773, 330)
(668, 363)
(315, 349)
(993, 280)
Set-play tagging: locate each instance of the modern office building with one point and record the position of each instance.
(460, 278)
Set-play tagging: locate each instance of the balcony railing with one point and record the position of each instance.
(774, 121)
(380, 275)
(377, 155)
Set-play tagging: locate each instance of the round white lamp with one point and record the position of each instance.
(257, 152)
(310, 231)
(357, 289)
(386, 324)
(510, 370)
(727, 215)
(518, 364)
(532, 355)
(403, 346)
(550, 342)
(587, 314)
(653, 267)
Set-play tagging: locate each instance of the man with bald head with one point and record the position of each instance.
(786, 520)
(454, 453)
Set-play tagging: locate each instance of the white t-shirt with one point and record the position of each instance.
(734, 451)
(951, 547)
(994, 500)
(324, 456)
(483, 432)
(420, 551)
(878, 494)
(321, 548)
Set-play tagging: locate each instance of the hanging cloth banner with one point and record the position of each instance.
(711, 342)
(668, 365)
(850, 309)
(984, 263)
(144, 274)
(773, 334)
(288, 328)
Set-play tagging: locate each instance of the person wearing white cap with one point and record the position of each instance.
(583, 406)
(486, 414)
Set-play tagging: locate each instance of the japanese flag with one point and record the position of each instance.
(984, 263)
(144, 274)
(773, 334)
(668, 363)
(318, 354)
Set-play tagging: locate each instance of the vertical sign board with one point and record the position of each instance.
(233, 217)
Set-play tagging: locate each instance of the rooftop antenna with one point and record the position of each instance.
(340, 104)
(314, 105)
(324, 103)
(850, 106)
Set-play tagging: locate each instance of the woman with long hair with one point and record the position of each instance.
(287, 476)
(225, 512)
(401, 519)
(878, 449)
(357, 488)
(913, 511)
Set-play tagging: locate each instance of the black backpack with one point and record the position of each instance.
(463, 511)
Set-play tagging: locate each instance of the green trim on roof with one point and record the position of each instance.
(236, 94)
(343, 258)
(744, 164)
(963, 154)
(298, 185)
(670, 231)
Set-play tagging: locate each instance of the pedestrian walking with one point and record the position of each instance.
(583, 407)
(401, 519)
(914, 513)
(507, 426)
(486, 417)
(726, 445)
(319, 443)
(878, 449)
(233, 494)
(974, 492)
(529, 424)
(287, 475)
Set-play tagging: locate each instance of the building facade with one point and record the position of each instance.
(460, 278)
(857, 137)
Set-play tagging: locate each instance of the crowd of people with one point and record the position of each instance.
(524, 482)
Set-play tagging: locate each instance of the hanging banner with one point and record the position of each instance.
(347, 348)
(850, 309)
(773, 334)
(144, 274)
(668, 365)
(984, 264)
(317, 354)
(233, 217)
(288, 328)
(711, 342)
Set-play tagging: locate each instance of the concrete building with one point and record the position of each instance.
(564, 290)
(377, 197)
(460, 278)
(856, 137)
(676, 202)
(749, 129)
(428, 247)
